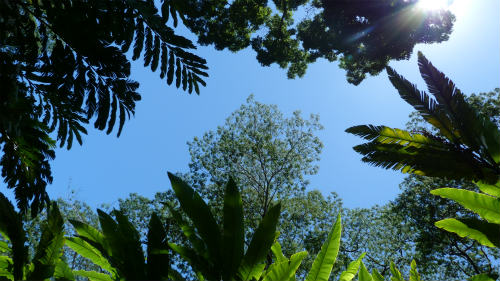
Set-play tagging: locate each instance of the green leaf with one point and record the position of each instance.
(285, 270)
(157, 264)
(190, 233)
(88, 251)
(4, 247)
(201, 216)
(295, 261)
(423, 103)
(89, 232)
(485, 206)
(199, 264)
(49, 248)
(475, 131)
(396, 275)
(139, 39)
(464, 230)
(278, 253)
(6, 267)
(414, 276)
(383, 134)
(93, 275)
(261, 243)
(233, 235)
(493, 190)
(253, 273)
(11, 227)
(481, 277)
(352, 269)
(63, 272)
(130, 252)
(322, 265)
(376, 275)
(364, 275)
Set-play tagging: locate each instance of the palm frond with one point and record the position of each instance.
(425, 161)
(477, 132)
(428, 108)
(386, 135)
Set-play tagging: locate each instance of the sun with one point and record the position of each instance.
(429, 5)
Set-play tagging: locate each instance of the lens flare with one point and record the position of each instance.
(430, 5)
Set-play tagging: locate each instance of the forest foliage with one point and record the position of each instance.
(242, 212)
(66, 64)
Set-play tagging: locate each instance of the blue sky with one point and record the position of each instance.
(154, 141)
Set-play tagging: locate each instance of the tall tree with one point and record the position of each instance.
(268, 155)
(64, 63)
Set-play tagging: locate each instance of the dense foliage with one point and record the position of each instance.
(268, 153)
(439, 253)
(63, 64)
(214, 252)
(465, 145)
(362, 35)
(56, 80)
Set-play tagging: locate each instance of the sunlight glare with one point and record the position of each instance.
(432, 4)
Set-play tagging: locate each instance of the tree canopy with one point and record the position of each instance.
(64, 64)
(57, 76)
(362, 35)
(268, 154)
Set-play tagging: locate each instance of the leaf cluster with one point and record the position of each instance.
(468, 144)
(466, 147)
(15, 263)
(64, 64)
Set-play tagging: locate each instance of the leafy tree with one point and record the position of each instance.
(441, 255)
(268, 153)
(381, 234)
(64, 64)
(363, 36)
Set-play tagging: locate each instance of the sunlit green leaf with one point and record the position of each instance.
(463, 230)
(485, 206)
(323, 264)
(352, 269)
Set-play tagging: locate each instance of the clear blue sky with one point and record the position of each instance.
(154, 141)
